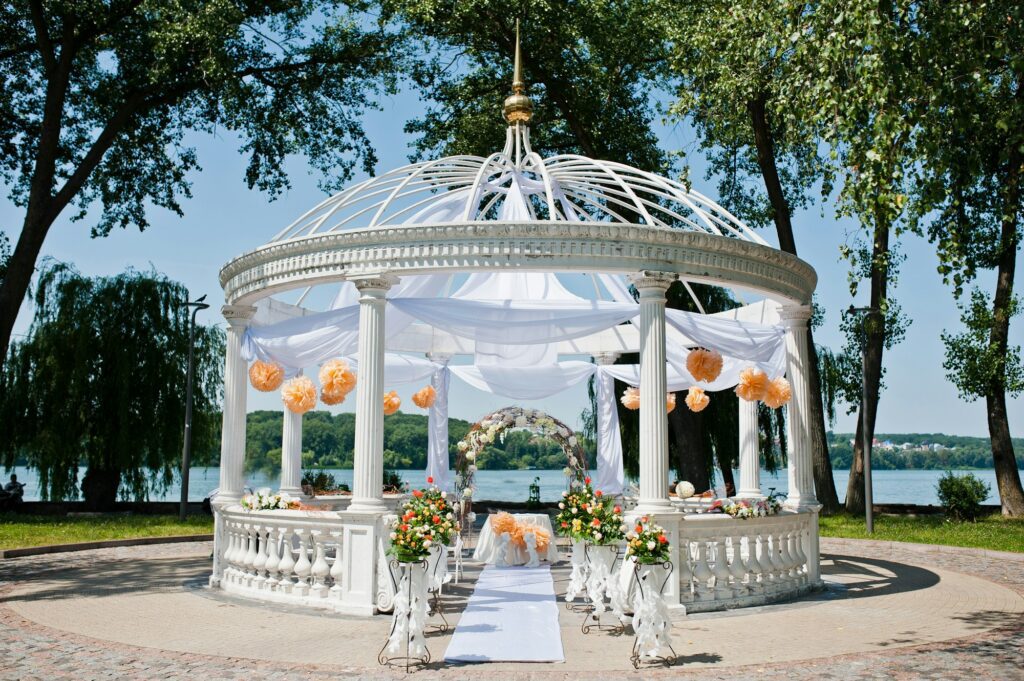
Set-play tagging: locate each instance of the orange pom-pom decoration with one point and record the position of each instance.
(299, 394)
(631, 398)
(778, 393)
(391, 403)
(670, 402)
(704, 365)
(518, 536)
(332, 398)
(503, 522)
(266, 376)
(753, 384)
(424, 399)
(697, 399)
(336, 378)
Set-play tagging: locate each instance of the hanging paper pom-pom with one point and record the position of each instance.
(778, 393)
(697, 399)
(670, 402)
(336, 378)
(266, 376)
(424, 399)
(752, 385)
(704, 365)
(332, 398)
(391, 403)
(631, 398)
(299, 394)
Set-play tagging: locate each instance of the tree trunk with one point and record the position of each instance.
(875, 347)
(99, 487)
(20, 268)
(688, 447)
(824, 483)
(1008, 482)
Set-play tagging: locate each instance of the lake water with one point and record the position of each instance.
(898, 487)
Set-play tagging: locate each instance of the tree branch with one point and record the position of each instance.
(43, 36)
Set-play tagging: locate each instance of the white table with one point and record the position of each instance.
(487, 544)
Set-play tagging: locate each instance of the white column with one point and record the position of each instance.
(232, 443)
(750, 460)
(801, 476)
(368, 468)
(437, 423)
(291, 453)
(610, 476)
(653, 385)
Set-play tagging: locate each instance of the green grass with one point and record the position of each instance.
(21, 531)
(990, 532)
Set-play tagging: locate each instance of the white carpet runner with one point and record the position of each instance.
(512, 616)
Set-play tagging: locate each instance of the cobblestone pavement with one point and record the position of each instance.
(69, 615)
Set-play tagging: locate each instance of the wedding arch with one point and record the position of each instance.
(495, 425)
(543, 272)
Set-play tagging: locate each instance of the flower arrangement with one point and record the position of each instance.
(427, 520)
(263, 500)
(424, 398)
(574, 512)
(753, 384)
(391, 403)
(697, 399)
(647, 542)
(606, 526)
(746, 508)
(704, 365)
(777, 393)
(266, 376)
(336, 381)
(299, 394)
(489, 429)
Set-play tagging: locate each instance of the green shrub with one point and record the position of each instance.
(393, 481)
(321, 481)
(961, 495)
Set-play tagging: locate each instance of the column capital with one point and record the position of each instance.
(238, 315)
(605, 358)
(649, 279)
(374, 282)
(795, 316)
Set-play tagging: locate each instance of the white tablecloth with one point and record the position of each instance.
(487, 544)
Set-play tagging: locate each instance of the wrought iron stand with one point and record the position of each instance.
(408, 659)
(635, 656)
(588, 608)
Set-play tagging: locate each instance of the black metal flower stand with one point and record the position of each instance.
(406, 660)
(592, 621)
(635, 657)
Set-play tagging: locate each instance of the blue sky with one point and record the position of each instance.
(225, 219)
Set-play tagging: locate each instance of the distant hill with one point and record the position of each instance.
(921, 451)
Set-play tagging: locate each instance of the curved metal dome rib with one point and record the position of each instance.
(567, 187)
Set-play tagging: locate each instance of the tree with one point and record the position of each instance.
(852, 71)
(732, 61)
(100, 382)
(970, 201)
(99, 95)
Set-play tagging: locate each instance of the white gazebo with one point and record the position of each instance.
(466, 256)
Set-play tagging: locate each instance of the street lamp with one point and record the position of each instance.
(869, 511)
(186, 451)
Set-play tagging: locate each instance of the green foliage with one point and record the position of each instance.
(393, 481)
(961, 495)
(589, 68)
(973, 362)
(5, 254)
(100, 381)
(321, 481)
(926, 451)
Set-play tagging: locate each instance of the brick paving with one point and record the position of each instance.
(888, 615)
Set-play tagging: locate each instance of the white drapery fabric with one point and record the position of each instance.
(437, 429)
(610, 476)
(525, 383)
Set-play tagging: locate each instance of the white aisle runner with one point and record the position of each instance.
(512, 616)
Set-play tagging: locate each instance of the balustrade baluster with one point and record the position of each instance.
(778, 568)
(721, 571)
(302, 566)
(273, 558)
(287, 564)
(787, 555)
(320, 569)
(736, 567)
(260, 562)
(685, 572)
(250, 554)
(228, 556)
(765, 578)
(801, 557)
(337, 567)
(702, 573)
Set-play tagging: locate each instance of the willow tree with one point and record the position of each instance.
(732, 65)
(100, 382)
(99, 96)
(970, 199)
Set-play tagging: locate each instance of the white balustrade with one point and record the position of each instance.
(731, 563)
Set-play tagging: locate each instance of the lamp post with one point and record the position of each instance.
(869, 511)
(186, 450)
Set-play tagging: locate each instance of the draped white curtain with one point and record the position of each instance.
(610, 475)
(525, 383)
(437, 429)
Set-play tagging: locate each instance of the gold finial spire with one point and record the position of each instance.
(518, 107)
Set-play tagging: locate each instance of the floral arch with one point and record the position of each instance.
(494, 426)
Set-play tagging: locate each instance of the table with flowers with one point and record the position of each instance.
(488, 543)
